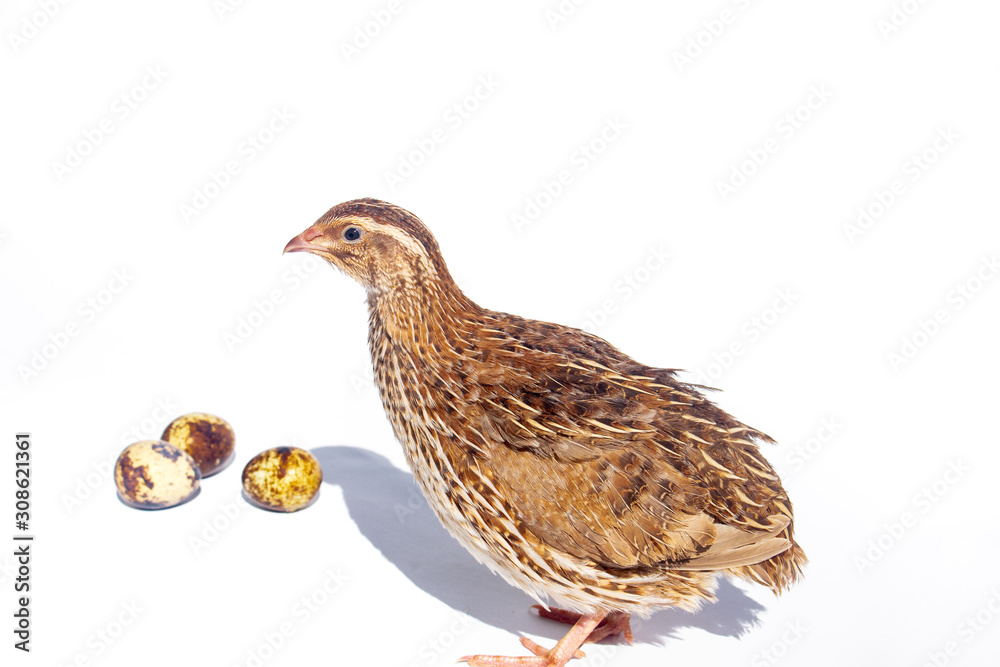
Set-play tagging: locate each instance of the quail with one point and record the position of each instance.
(585, 478)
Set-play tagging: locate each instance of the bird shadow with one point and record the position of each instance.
(390, 511)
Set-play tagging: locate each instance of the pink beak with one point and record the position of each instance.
(303, 242)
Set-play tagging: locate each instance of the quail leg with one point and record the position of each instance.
(566, 649)
(616, 622)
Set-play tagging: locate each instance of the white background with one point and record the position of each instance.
(890, 461)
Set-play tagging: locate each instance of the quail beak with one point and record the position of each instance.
(303, 242)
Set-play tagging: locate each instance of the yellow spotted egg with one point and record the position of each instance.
(153, 474)
(282, 479)
(208, 439)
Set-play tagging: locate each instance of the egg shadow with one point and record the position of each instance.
(390, 511)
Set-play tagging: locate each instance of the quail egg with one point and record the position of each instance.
(208, 439)
(282, 479)
(152, 474)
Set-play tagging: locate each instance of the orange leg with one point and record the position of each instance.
(567, 648)
(616, 622)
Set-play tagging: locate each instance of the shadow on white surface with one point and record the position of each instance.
(391, 512)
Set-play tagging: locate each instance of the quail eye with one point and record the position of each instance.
(352, 234)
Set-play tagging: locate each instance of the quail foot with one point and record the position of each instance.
(587, 479)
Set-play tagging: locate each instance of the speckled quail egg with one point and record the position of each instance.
(208, 439)
(282, 479)
(152, 474)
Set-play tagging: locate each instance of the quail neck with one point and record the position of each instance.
(418, 306)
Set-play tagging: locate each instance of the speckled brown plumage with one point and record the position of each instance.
(573, 471)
